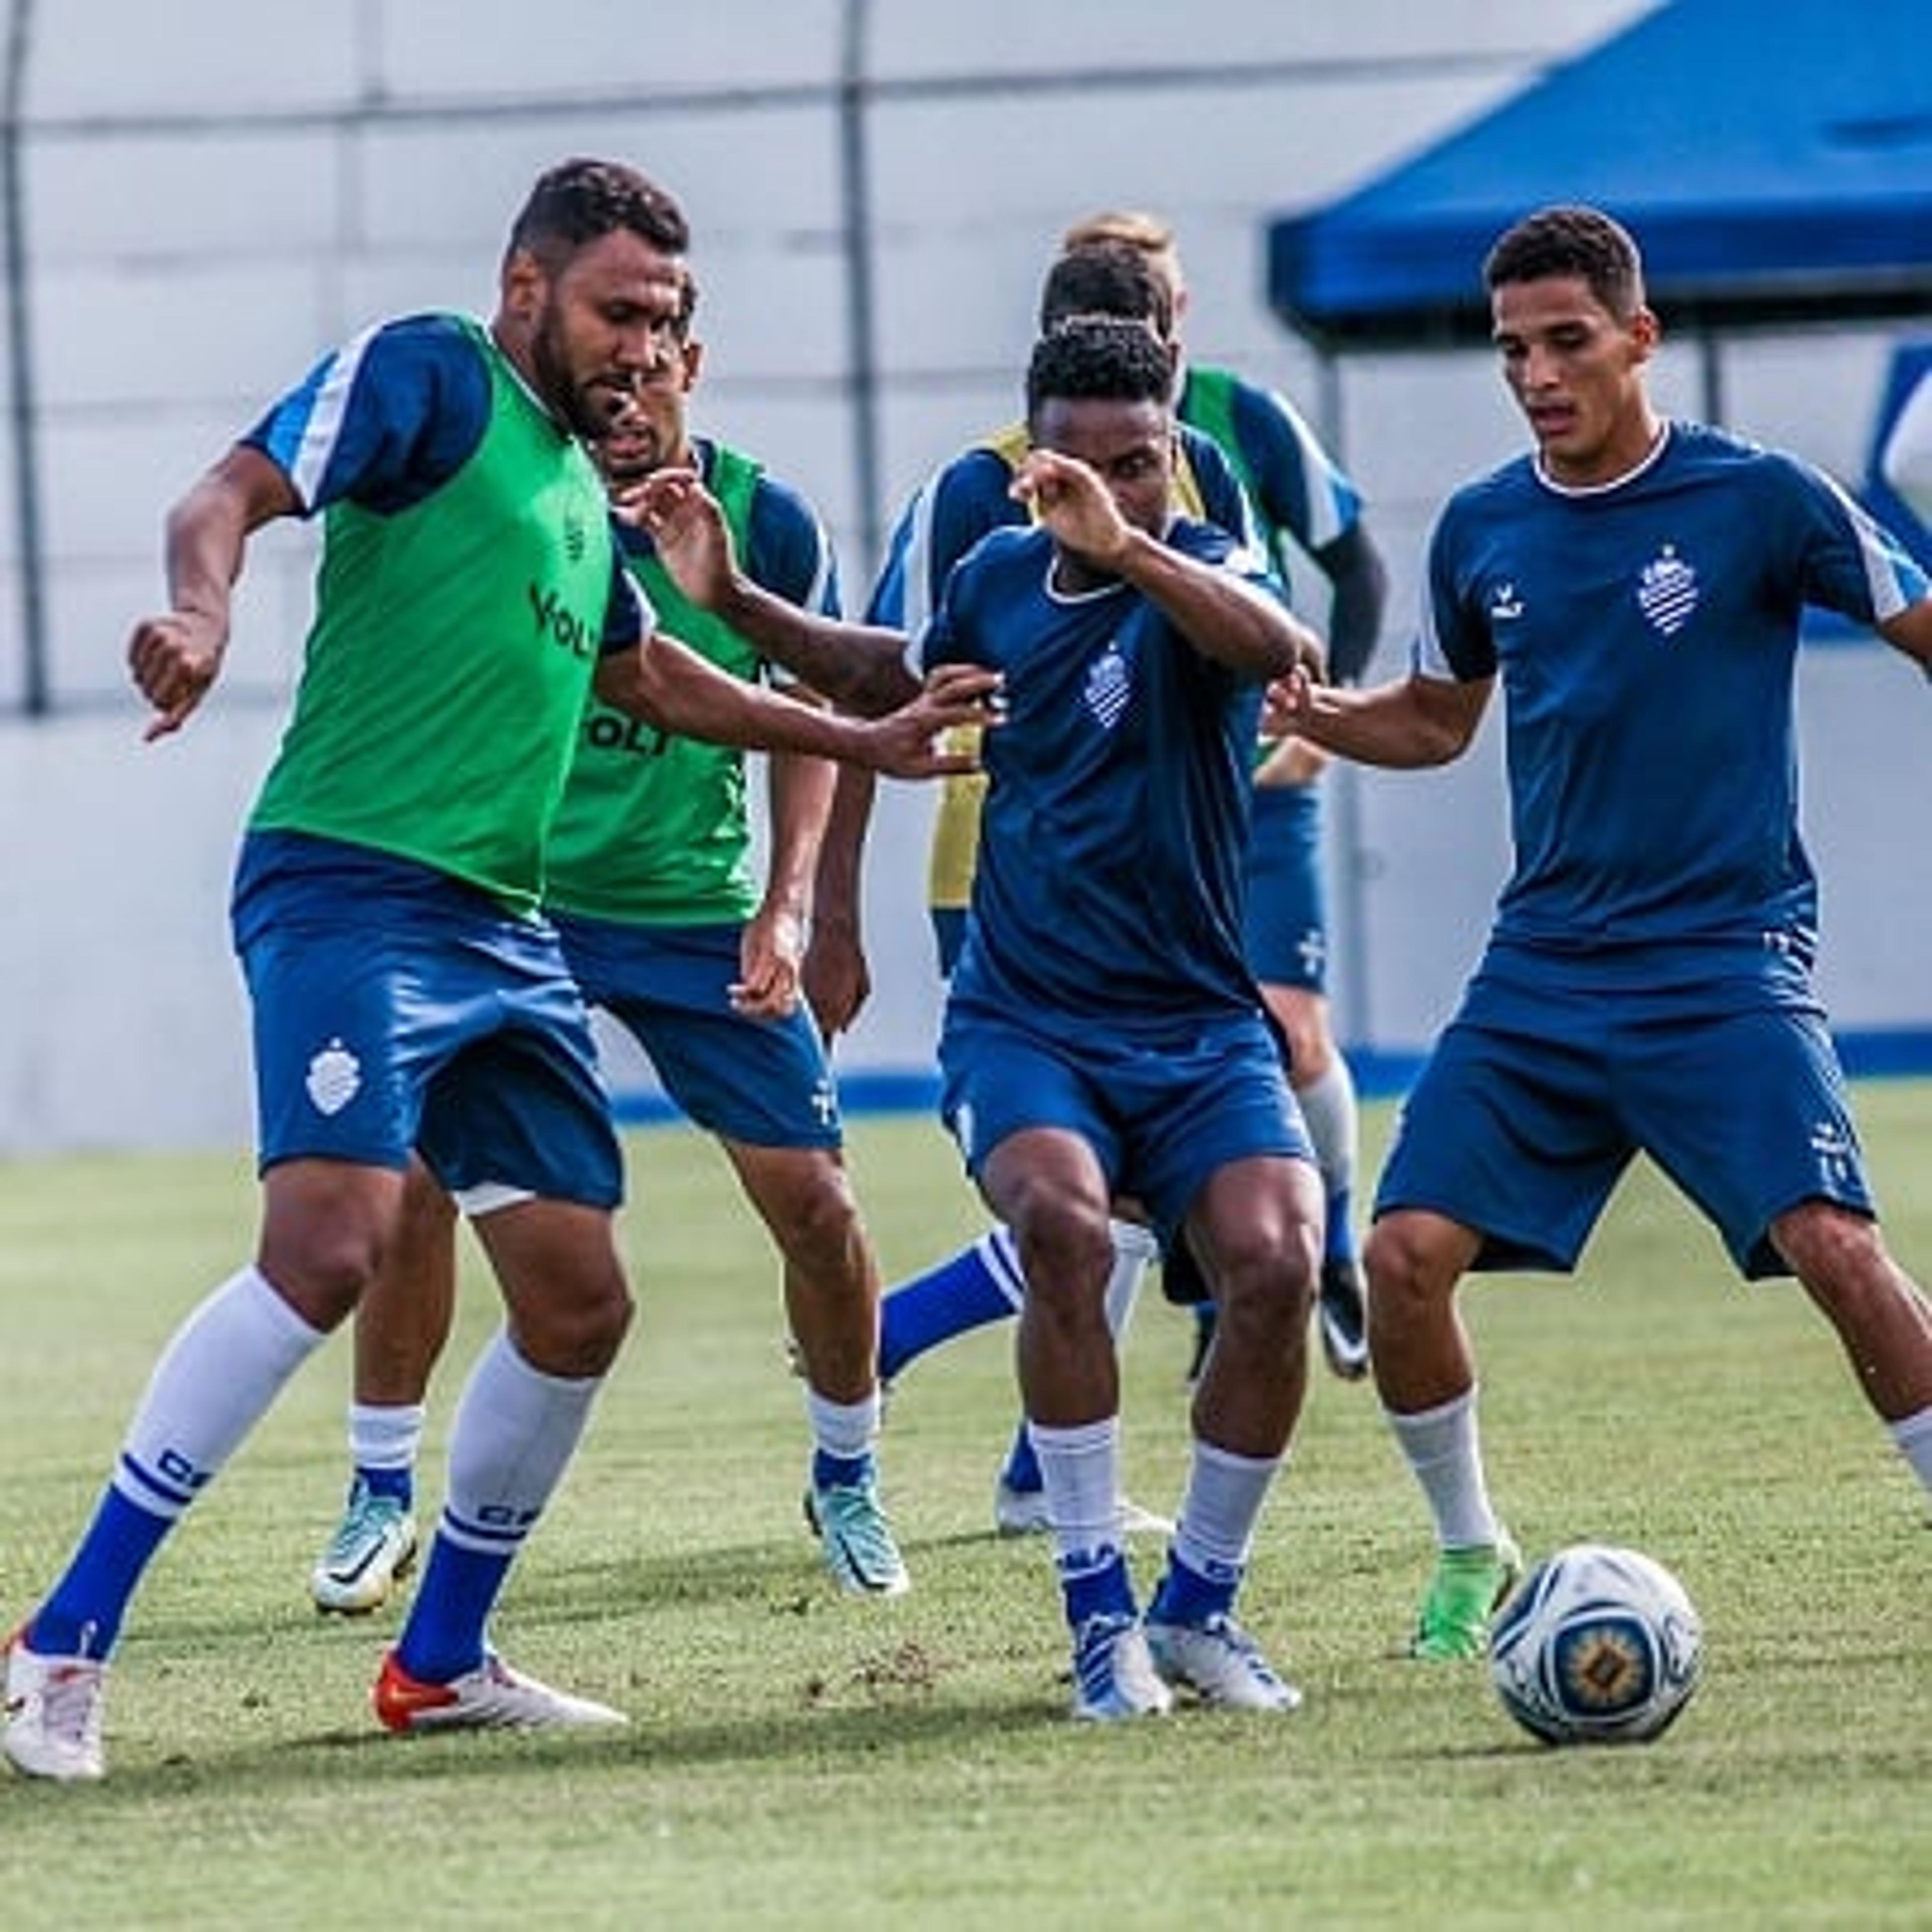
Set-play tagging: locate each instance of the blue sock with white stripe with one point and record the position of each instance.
(515, 1431)
(216, 1378)
(978, 1285)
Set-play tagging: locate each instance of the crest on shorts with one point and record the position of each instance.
(334, 1079)
(1666, 591)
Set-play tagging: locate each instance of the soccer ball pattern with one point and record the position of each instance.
(1600, 1645)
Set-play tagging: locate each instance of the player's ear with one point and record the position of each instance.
(692, 355)
(524, 285)
(1645, 332)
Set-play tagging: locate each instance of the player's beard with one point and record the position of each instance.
(574, 402)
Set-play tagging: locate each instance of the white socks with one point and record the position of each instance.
(516, 1430)
(215, 1380)
(1443, 1450)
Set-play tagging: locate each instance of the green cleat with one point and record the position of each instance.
(1468, 1588)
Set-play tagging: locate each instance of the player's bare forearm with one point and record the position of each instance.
(799, 791)
(1224, 616)
(174, 657)
(858, 667)
(1406, 725)
(861, 668)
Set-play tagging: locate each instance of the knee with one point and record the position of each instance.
(1402, 1269)
(1265, 1287)
(1066, 1250)
(579, 1336)
(818, 1225)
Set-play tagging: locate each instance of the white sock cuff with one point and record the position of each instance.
(845, 1429)
(385, 1436)
(1133, 1241)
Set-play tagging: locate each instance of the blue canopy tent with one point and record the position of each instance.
(1774, 161)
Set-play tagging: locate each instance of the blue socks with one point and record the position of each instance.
(979, 1284)
(83, 1617)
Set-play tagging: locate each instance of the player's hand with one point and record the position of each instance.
(769, 953)
(836, 977)
(1069, 498)
(904, 743)
(173, 658)
(683, 519)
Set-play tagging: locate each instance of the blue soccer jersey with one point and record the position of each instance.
(1645, 634)
(1108, 886)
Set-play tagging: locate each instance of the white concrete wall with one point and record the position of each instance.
(245, 182)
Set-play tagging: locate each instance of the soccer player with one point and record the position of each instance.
(959, 504)
(648, 879)
(1306, 506)
(1635, 584)
(1102, 1035)
(404, 995)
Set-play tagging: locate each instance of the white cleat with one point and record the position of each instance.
(1220, 1663)
(1113, 1676)
(492, 1697)
(54, 1705)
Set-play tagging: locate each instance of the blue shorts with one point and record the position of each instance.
(1161, 1115)
(1286, 935)
(764, 1083)
(1534, 1101)
(396, 1008)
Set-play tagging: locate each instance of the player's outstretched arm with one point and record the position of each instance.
(1407, 723)
(175, 656)
(860, 667)
(669, 684)
(1223, 615)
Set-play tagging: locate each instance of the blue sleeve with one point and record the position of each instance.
(1454, 642)
(629, 615)
(1850, 562)
(1223, 500)
(383, 421)
(950, 513)
(787, 551)
(1298, 487)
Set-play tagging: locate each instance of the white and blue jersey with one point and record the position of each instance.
(388, 419)
(1645, 635)
(1108, 886)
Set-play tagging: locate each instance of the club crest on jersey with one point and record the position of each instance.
(1666, 591)
(1109, 685)
(1504, 604)
(334, 1079)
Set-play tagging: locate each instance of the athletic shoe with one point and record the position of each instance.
(1468, 1588)
(1220, 1663)
(1113, 1677)
(372, 1549)
(1342, 1310)
(1023, 1512)
(492, 1697)
(850, 1522)
(54, 1709)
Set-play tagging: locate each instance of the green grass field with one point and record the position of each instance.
(798, 1760)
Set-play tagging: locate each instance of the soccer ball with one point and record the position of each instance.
(1600, 1645)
